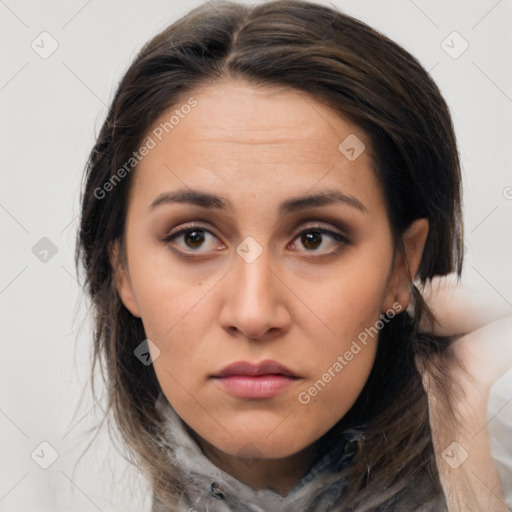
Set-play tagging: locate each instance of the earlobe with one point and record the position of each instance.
(406, 265)
(122, 281)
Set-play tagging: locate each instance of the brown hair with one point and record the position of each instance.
(380, 87)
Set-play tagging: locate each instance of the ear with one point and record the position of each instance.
(406, 265)
(122, 281)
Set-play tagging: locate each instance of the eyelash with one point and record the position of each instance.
(339, 239)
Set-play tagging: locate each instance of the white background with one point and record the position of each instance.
(51, 110)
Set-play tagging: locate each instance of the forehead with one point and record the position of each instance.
(240, 136)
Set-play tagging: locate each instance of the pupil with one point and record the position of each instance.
(197, 238)
(312, 238)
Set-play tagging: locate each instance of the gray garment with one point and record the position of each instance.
(209, 489)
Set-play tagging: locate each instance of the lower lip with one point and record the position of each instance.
(255, 386)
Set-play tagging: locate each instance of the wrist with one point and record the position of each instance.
(461, 414)
(462, 451)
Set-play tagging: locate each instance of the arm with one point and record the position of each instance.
(479, 357)
(466, 468)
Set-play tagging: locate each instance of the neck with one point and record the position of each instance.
(280, 475)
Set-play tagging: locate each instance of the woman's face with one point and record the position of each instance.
(257, 231)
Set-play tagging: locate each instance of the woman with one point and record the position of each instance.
(267, 184)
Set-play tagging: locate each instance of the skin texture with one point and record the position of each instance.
(299, 303)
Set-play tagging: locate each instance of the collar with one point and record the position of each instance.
(210, 489)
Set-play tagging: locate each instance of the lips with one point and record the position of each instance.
(255, 381)
(267, 367)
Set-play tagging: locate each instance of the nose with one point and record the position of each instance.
(254, 300)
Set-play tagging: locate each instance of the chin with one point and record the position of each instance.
(254, 437)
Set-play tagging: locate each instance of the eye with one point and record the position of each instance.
(198, 239)
(321, 240)
(192, 239)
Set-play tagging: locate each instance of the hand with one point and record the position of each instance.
(480, 322)
(461, 306)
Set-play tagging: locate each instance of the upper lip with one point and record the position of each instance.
(267, 367)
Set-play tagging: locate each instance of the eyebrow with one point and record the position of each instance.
(212, 201)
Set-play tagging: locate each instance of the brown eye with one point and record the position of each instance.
(321, 240)
(194, 239)
(311, 239)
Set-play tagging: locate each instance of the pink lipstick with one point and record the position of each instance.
(255, 381)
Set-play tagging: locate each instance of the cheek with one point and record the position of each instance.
(341, 363)
(339, 383)
(323, 401)
(351, 306)
(169, 299)
(178, 315)
(177, 312)
(179, 328)
(352, 299)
